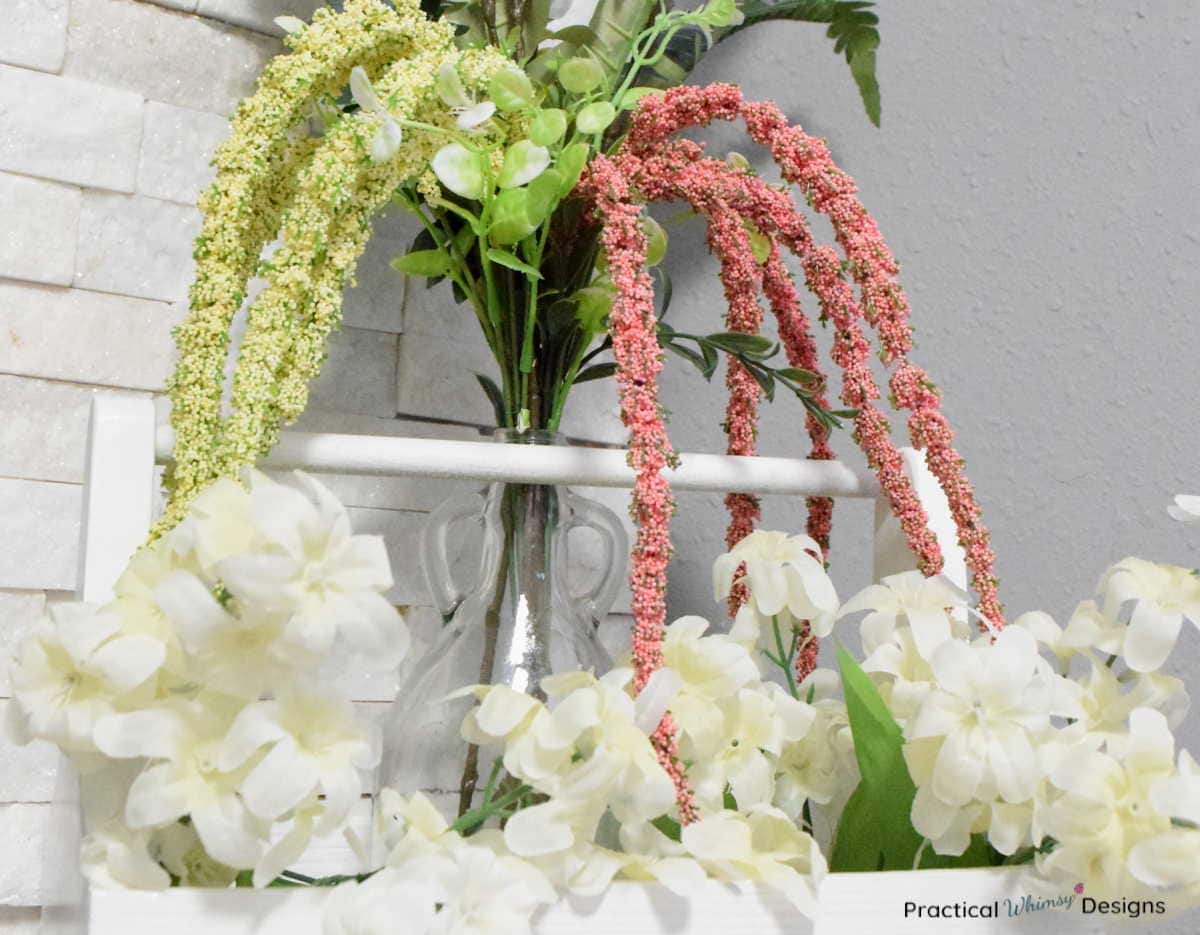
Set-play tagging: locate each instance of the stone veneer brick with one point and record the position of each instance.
(69, 131)
(38, 231)
(35, 34)
(165, 56)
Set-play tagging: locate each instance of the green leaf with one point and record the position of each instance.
(695, 358)
(879, 749)
(668, 826)
(666, 290)
(592, 305)
(570, 163)
(459, 169)
(524, 161)
(799, 376)
(510, 90)
(504, 258)
(765, 380)
(495, 397)
(574, 35)
(750, 345)
(656, 240)
(580, 75)
(544, 195)
(595, 118)
(631, 98)
(857, 846)
(510, 217)
(596, 372)
(852, 26)
(548, 126)
(423, 263)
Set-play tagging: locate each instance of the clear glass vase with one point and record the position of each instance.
(517, 618)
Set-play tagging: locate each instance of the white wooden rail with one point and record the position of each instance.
(124, 446)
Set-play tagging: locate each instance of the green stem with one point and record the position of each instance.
(490, 809)
(785, 662)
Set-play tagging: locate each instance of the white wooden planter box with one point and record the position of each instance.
(850, 904)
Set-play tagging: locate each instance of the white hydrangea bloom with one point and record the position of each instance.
(1099, 803)
(587, 748)
(911, 599)
(310, 567)
(237, 651)
(182, 741)
(314, 742)
(974, 737)
(77, 667)
(1172, 857)
(1162, 597)
(783, 577)
(761, 844)
(114, 856)
(754, 725)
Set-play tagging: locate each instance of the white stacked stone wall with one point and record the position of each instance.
(109, 113)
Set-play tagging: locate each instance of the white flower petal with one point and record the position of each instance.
(127, 661)
(280, 782)
(1152, 635)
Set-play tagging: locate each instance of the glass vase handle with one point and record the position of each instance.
(583, 513)
(435, 550)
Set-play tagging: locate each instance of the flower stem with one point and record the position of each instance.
(785, 661)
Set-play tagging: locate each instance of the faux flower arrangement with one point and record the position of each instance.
(195, 706)
(196, 703)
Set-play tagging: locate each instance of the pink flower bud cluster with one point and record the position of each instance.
(652, 166)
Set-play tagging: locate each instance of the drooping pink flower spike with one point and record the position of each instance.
(805, 161)
(679, 171)
(639, 360)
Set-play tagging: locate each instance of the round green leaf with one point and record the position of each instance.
(631, 98)
(570, 163)
(449, 86)
(548, 126)
(595, 118)
(592, 305)
(656, 241)
(460, 170)
(545, 192)
(580, 75)
(510, 89)
(523, 162)
(510, 217)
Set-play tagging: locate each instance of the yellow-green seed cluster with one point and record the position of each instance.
(315, 195)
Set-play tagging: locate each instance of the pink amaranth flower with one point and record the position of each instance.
(653, 167)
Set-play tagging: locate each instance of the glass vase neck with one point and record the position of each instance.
(529, 437)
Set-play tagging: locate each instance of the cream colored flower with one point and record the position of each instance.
(314, 571)
(314, 742)
(762, 845)
(753, 727)
(923, 604)
(1162, 597)
(77, 667)
(375, 906)
(1101, 804)
(1172, 858)
(239, 651)
(782, 575)
(114, 856)
(182, 741)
